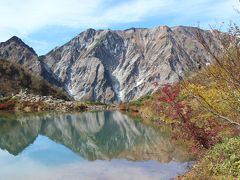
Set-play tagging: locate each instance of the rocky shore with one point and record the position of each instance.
(27, 102)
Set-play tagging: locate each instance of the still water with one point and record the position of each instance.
(90, 146)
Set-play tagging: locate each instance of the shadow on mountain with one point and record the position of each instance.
(92, 135)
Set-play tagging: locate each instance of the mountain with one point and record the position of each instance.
(16, 51)
(14, 78)
(116, 66)
(119, 66)
(21, 68)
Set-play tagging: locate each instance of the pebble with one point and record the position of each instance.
(52, 103)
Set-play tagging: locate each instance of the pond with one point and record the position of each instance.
(104, 145)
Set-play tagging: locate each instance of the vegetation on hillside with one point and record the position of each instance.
(14, 78)
(221, 162)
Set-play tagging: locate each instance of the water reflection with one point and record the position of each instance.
(98, 136)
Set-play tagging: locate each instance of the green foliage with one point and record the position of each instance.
(222, 162)
(224, 159)
(139, 102)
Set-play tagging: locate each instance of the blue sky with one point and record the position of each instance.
(45, 24)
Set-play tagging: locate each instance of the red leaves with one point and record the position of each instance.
(170, 93)
(7, 105)
(175, 108)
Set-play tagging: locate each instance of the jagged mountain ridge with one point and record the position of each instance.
(114, 66)
(119, 66)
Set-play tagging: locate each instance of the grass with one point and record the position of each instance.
(221, 162)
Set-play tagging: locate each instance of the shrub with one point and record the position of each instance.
(9, 105)
(174, 107)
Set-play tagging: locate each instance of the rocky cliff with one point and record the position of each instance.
(118, 66)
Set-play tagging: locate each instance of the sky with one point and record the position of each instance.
(45, 24)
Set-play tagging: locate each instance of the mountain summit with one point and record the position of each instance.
(16, 51)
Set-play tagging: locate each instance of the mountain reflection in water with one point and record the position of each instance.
(51, 139)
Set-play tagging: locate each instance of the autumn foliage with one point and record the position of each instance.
(174, 107)
(205, 103)
(217, 87)
(7, 105)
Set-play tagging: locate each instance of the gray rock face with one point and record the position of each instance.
(115, 66)
(119, 66)
(16, 51)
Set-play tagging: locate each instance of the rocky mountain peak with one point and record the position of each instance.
(90, 31)
(16, 41)
(16, 51)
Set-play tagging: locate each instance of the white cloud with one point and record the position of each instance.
(27, 16)
(134, 11)
(206, 12)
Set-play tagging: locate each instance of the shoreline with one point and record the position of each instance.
(24, 102)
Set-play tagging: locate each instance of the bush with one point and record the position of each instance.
(9, 105)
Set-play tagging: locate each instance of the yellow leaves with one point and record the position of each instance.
(168, 120)
(195, 88)
(221, 100)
